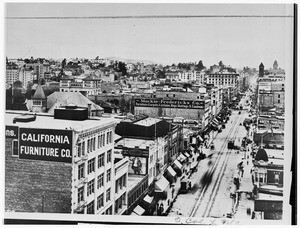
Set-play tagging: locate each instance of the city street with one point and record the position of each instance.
(212, 198)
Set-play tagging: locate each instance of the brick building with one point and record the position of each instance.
(63, 164)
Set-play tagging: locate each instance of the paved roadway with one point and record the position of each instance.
(213, 199)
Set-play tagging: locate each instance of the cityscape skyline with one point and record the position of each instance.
(180, 39)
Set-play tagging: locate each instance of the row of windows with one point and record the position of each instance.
(90, 190)
(120, 183)
(120, 203)
(137, 193)
(91, 164)
(91, 143)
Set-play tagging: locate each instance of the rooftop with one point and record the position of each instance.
(133, 180)
(147, 122)
(48, 122)
(133, 142)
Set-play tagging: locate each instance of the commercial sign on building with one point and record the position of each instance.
(264, 86)
(45, 144)
(135, 152)
(11, 132)
(264, 122)
(163, 103)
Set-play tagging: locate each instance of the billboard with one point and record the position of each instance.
(163, 103)
(137, 165)
(45, 145)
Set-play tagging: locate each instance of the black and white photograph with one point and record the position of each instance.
(149, 113)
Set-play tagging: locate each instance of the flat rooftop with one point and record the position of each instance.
(48, 122)
(263, 196)
(131, 143)
(133, 180)
(147, 122)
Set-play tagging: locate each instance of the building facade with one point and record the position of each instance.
(65, 165)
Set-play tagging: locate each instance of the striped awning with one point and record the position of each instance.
(178, 164)
(171, 171)
(161, 184)
(138, 210)
(215, 122)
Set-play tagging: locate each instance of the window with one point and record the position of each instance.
(107, 137)
(109, 211)
(79, 148)
(90, 208)
(111, 137)
(108, 195)
(108, 156)
(278, 95)
(103, 140)
(91, 165)
(100, 180)
(91, 187)
(100, 160)
(108, 175)
(99, 141)
(88, 145)
(124, 180)
(94, 143)
(81, 171)
(80, 194)
(278, 101)
(15, 148)
(173, 95)
(83, 148)
(100, 201)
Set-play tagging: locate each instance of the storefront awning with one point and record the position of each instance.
(200, 138)
(139, 210)
(186, 154)
(181, 158)
(148, 199)
(178, 164)
(161, 184)
(171, 171)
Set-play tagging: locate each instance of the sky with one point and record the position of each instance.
(237, 41)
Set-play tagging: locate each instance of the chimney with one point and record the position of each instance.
(89, 110)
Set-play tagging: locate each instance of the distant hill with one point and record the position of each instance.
(146, 62)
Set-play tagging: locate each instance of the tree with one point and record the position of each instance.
(17, 85)
(221, 64)
(63, 63)
(200, 66)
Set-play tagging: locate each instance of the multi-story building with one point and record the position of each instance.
(267, 177)
(90, 85)
(222, 79)
(189, 105)
(271, 94)
(151, 145)
(66, 164)
(12, 75)
(26, 76)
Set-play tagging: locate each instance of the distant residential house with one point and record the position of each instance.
(108, 107)
(61, 99)
(90, 85)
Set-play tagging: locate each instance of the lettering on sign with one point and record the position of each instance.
(11, 132)
(156, 102)
(45, 144)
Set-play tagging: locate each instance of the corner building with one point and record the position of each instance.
(61, 165)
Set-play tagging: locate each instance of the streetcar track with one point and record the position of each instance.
(213, 168)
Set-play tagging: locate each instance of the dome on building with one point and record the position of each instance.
(261, 155)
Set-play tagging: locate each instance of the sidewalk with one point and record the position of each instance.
(246, 186)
